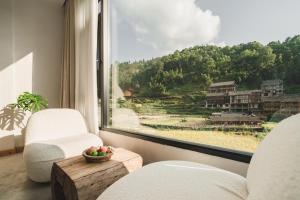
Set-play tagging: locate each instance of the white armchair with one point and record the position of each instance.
(52, 135)
(273, 174)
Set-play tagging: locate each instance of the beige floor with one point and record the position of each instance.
(14, 185)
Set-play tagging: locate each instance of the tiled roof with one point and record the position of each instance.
(271, 82)
(222, 83)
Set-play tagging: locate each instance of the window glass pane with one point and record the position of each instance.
(221, 73)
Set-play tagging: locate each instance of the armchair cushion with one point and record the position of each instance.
(54, 123)
(178, 180)
(274, 171)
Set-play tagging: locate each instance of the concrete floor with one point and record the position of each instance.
(14, 184)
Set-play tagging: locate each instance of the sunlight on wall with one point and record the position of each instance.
(15, 79)
(6, 86)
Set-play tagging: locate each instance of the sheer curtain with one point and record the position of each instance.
(85, 45)
(67, 99)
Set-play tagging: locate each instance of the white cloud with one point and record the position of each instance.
(168, 25)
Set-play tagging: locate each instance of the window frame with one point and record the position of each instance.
(104, 74)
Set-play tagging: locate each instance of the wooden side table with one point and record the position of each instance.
(75, 179)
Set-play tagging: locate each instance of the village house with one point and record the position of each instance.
(218, 95)
(271, 88)
(248, 100)
(128, 93)
(286, 104)
(270, 99)
(217, 100)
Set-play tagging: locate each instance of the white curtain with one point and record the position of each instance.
(86, 17)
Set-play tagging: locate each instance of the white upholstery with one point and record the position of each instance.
(274, 171)
(178, 180)
(274, 174)
(54, 123)
(52, 135)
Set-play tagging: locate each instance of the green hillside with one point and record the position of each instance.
(187, 73)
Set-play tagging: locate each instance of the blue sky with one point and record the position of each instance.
(142, 29)
(260, 20)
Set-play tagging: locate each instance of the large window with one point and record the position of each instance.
(219, 73)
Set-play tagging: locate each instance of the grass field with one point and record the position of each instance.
(182, 117)
(228, 140)
(177, 127)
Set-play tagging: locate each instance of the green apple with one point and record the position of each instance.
(94, 153)
(101, 154)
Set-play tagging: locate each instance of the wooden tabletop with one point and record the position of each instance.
(77, 167)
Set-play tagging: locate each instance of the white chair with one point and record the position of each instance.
(273, 174)
(52, 135)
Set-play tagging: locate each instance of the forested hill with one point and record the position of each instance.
(248, 64)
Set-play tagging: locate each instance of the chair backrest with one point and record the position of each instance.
(54, 124)
(274, 171)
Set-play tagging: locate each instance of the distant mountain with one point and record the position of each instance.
(248, 64)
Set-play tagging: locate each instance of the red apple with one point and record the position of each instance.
(91, 149)
(103, 149)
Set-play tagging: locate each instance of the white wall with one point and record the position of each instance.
(153, 152)
(31, 42)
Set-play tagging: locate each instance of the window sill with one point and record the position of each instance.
(201, 148)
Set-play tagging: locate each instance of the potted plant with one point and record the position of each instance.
(13, 119)
(31, 102)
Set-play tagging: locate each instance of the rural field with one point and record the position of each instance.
(188, 128)
(158, 118)
(228, 140)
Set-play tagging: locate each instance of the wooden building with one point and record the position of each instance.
(285, 104)
(217, 100)
(268, 100)
(217, 96)
(271, 88)
(248, 100)
(128, 93)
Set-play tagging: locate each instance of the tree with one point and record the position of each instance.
(248, 64)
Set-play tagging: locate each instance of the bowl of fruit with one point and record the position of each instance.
(98, 154)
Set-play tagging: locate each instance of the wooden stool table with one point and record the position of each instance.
(75, 179)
